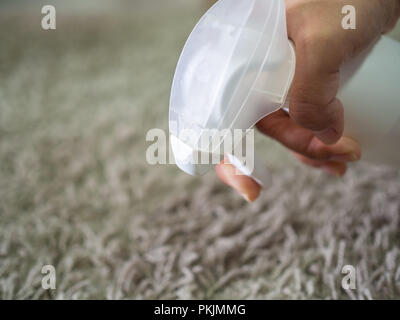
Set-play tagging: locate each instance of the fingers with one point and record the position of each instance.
(244, 185)
(331, 167)
(304, 144)
(250, 190)
(282, 128)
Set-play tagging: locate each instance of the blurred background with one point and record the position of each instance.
(77, 193)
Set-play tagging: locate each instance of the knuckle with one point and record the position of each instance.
(316, 150)
(309, 116)
(313, 40)
(271, 127)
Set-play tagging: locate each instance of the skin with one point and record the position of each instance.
(313, 130)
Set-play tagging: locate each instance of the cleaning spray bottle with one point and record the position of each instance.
(237, 67)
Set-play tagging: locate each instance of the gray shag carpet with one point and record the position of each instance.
(76, 191)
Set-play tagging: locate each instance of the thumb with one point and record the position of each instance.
(313, 102)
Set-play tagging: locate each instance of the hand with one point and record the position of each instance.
(315, 126)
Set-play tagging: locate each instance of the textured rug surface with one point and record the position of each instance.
(77, 193)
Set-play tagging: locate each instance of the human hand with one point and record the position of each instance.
(314, 129)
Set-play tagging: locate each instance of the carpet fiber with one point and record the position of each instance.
(76, 191)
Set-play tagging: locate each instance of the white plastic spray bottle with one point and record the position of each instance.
(237, 67)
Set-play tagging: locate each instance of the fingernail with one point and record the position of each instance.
(245, 186)
(246, 197)
(328, 136)
(348, 157)
(235, 184)
(332, 171)
(250, 195)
